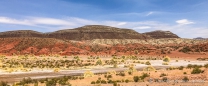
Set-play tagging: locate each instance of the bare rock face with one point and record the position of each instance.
(161, 34)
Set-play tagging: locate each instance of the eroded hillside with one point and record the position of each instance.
(88, 32)
(161, 34)
(51, 46)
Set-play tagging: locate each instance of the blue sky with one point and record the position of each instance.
(186, 18)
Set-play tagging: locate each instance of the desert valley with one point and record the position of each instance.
(98, 55)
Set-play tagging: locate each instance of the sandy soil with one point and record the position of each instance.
(38, 74)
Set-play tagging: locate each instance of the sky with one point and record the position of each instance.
(186, 18)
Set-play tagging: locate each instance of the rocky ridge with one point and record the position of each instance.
(88, 32)
(161, 34)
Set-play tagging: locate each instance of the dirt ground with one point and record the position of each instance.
(175, 79)
(171, 74)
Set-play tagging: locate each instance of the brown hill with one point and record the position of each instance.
(37, 46)
(161, 34)
(52, 46)
(88, 32)
(21, 33)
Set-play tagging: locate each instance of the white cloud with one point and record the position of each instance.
(184, 22)
(122, 23)
(32, 21)
(81, 21)
(49, 21)
(7, 20)
(142, 27)
(150, 13)
(129, 14)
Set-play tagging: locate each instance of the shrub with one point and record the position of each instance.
(93, 82)
(144, 75)
(166, 59)
(109, 76)
(149, 68)
(130, 72)
(180, 68)
(2, 83)
(189, 66)
(185, 79)
(42, 81)
(51, 83)
(164, 79)
(105, 75)
(118, 80)
(184, 73)
(110, 81)
(98, 81)
(115, 65)
(148, 63)
(163, 74)
(206, 65)
(103, 82)
(81, 77)
(122, 74)
(99, 62)
(195, 66)
(185, 49)
(196, 71)
(136, 78)
(171, 68)
(88, 74)
(165, 63)
(126, 80)
(138, 61)
(35, 84)
(56, 70)
(99, 78)
(115, 84)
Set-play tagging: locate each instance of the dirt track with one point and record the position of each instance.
(13, 77)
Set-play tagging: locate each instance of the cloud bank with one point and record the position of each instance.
(184, 22)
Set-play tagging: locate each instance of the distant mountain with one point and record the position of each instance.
(87, 32)
(161, 34)
(21, 33)
(90, 32)
(200, 38)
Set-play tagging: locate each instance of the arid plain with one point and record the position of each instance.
(95, 55)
